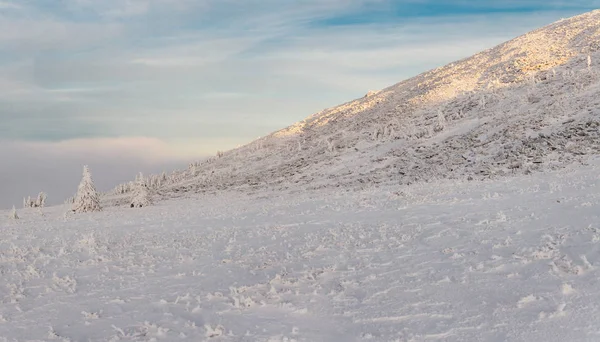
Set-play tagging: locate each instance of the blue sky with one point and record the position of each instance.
(189, 77)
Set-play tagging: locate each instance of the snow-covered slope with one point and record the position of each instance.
(530, 104)
(498, 260)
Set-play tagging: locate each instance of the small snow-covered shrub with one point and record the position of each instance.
(13, 214)
(41, 200)
(589, 61)
(440, 123)
(330, 145)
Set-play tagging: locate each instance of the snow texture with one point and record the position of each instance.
(496, 260)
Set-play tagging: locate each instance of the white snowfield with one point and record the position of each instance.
(500, 260)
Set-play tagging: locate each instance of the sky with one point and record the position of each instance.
(147, 85)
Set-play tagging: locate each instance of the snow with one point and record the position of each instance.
(510, 259)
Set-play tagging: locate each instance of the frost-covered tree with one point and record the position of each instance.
(41, 200)
(38, 202)
(87, 198)
(141, 195)
(152, 181)
(13, 214)
(589, 61)
(330, 144)
(70, 200)
(440, 123)
(193, 169)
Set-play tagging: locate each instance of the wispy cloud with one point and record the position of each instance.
(7, 5)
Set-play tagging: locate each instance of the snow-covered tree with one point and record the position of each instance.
(440, 123)
(589, 61)
(193, 169)
(38, 202)
(70, 200)
(141, 195)
(41, 200)
(13, 214)
(87, 198)
(330, 144)
(152, 181)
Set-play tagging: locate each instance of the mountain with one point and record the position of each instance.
(530, 104)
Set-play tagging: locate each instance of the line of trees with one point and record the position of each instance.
(38, 202)
(87, 198)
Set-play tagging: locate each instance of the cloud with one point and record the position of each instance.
(7, 5)
(21, 37)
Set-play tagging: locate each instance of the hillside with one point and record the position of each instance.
(527, 105)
